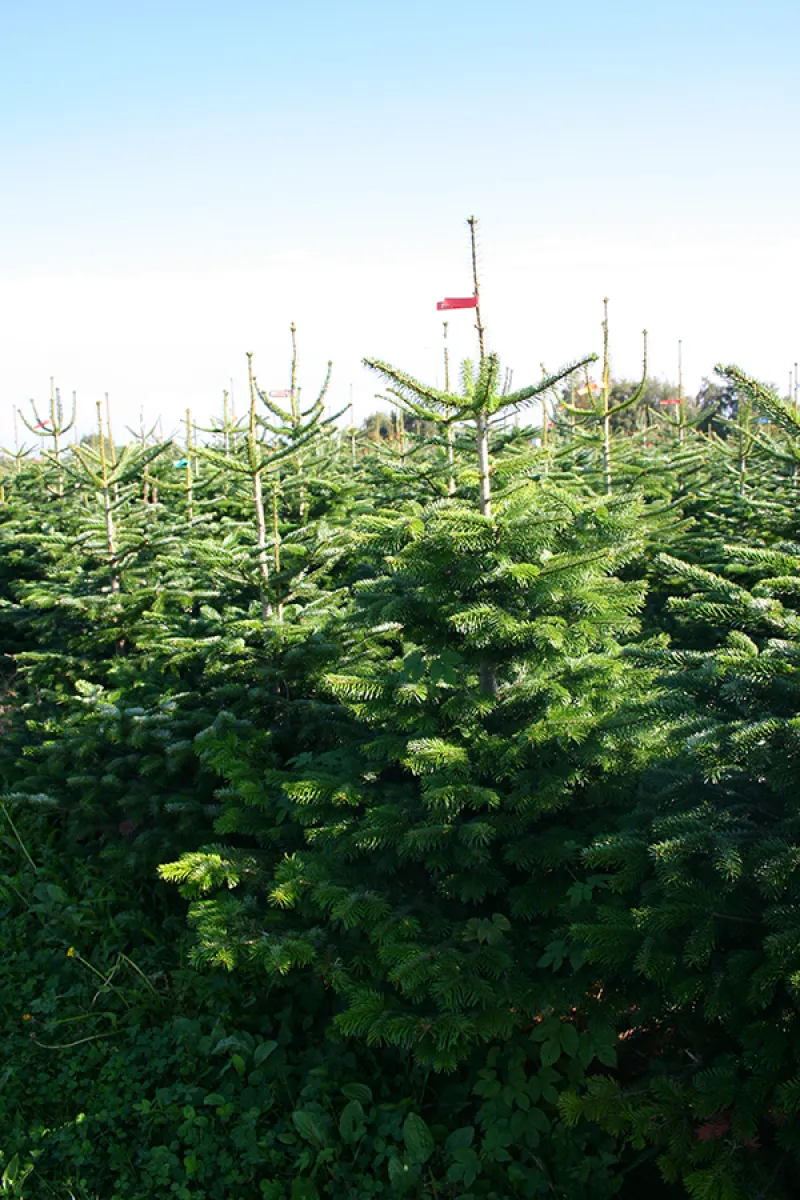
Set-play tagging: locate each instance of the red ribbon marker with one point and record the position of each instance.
(457, 302)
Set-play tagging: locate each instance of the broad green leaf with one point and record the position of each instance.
(351, 1122)
(400, 1173)
(307, 1126)
(418, 1139)
(607, 1055)
(442, 673)
(460, 1139)
(11, 1172)
(413, 666)
(569, 1039)
(263, 1051)
(550, 1052)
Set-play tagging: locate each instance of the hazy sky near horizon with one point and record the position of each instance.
(182, 180)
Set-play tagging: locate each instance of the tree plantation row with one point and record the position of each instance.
(409, 811)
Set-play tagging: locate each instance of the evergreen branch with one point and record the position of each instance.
(407, 383)
(765, 398)
(522, 397)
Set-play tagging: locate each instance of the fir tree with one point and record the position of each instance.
(415, 827)
(698, 945)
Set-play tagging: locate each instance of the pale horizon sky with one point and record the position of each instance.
(181, 181)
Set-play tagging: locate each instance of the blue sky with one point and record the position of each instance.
(180, 181)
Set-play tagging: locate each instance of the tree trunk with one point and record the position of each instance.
(483, 464)
(261, 528)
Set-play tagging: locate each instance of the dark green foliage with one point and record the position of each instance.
(475, 760)
(698, 944)
(194, 1087)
